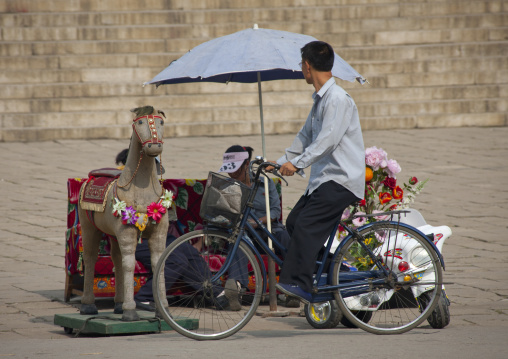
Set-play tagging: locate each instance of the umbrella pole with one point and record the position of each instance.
(271, 264)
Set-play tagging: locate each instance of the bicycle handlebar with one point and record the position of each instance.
(262, 165)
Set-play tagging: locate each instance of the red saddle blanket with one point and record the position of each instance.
(95, 189)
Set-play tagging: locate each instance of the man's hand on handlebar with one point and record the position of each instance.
(272, 167)
(288, 169)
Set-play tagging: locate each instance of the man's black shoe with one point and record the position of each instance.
(294, 291)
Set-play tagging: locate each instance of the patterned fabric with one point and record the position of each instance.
(188, 195)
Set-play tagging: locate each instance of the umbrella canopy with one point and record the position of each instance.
(240, 56)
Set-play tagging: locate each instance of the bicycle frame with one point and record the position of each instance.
(323, 290)
(244, 224)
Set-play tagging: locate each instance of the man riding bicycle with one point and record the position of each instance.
(331, 142)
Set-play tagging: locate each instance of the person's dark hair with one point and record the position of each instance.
(319, 54)
(238, 148)
(121, 157)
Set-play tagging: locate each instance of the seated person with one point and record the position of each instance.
(121, 159)
(236, 161)
(189, 266)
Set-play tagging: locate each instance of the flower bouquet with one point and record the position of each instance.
(382, 194)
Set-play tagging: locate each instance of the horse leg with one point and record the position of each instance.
(157, 244)
(90, 238)
(117, 262)
(127, 244)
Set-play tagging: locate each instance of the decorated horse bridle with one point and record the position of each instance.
(154, 135)
(153, 139)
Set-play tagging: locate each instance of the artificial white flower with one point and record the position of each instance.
(167, 199)
(119, 206)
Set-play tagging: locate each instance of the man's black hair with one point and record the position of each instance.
(319, 54)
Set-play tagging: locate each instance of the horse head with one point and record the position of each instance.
(148, 125)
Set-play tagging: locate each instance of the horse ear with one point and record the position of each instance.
(143, 111)
(162, 113)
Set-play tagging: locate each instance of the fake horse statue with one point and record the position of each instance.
(127, 208)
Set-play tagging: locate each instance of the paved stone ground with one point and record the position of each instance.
(466, 191)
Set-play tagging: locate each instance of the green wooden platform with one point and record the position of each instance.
(113, 324)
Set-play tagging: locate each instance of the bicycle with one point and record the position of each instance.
(372, 288)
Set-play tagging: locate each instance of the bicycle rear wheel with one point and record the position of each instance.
(414, 270)
(188, 265)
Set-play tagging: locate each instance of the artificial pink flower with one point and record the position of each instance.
(345, 214)
(359, 221)
(381, 236)
(392, 168)
(382, 217)
(155, 211)
(375, 158)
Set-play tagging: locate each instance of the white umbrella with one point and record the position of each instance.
(247, 56)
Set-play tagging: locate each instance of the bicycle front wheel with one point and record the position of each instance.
(387, 303)
(201, 307)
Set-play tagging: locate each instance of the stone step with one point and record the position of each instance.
(178, 18)
(128, 69)
(389, 96)
(168, 103)
(141, 75)
(422, 52)
(342, 36)
(175, 48)
(406, 8)
(431, 65)
(57, 73)
(92, 47)
(429, 121)
(370, 100)
(249, 127)
(157, 62)
(175, 116)
(306, 19)
(57, 113)
(193, 92)
(122, 131)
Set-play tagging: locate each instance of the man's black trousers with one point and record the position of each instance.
(309, 224)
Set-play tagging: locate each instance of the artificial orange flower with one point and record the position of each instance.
(397, 192)
(384, 197)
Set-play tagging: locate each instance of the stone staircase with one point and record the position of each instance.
(72, 69)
